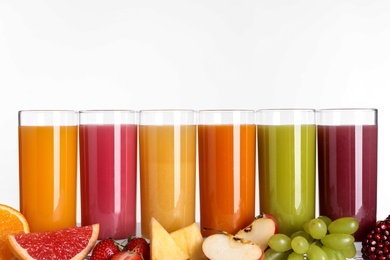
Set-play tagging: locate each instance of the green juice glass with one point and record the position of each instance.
(287, 165)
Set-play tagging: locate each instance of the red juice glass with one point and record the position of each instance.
(347, 165)
(108, 171)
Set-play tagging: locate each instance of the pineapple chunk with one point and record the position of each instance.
(190, 240)
(162, 245)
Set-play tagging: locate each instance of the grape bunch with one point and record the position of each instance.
(320, 238)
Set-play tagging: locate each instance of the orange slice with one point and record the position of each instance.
(11, 222)
(67, 243)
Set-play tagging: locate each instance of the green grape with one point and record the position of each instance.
(280, 242)
(304, 234)
(345, 225)
(349, 251)
(271, 254)
(340, 255)
(331, 253)
(326, 219)
(295, 256)
(306, 226)
(317, 228)
(300, 245)
(338, 241)
(316, 253)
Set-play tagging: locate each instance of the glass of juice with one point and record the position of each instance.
(167, 152)
(347, 165)
(48, 168)
(108, 171)
(287, 165)
(227, 169)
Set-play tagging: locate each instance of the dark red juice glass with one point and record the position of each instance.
(347, 165)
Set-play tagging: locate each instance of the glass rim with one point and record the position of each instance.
(286, 109)
(47, 110)
(346, 109)
(86, 111)
(224, 110)
(166, 110)
(155, 117)
(48, 117)
(347, 116)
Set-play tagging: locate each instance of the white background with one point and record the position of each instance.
(192, 54)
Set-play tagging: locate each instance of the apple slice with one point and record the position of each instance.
(260, 230)
(190, 240)
(162, 245)
(224, 246)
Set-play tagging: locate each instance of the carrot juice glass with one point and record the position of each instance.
(287, 165)
(48, 168)
(227, 166)
(347, 165)
(167, 152)
(108, 171)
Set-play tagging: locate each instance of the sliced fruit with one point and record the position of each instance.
(260, 230)
(376, 243)
(226, 246)
(190, 240)
(68, 243)
(11, 222)
(162, 245)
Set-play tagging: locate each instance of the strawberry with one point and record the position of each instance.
(138, 245)
(127, 255)
(104, 249)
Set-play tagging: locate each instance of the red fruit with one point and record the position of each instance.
(104, 250)
(376, 245)
(127, 255)
(138, 245)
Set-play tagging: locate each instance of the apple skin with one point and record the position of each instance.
(260, 230)
(267, 215)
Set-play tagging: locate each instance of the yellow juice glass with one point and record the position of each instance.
(167, 141)
(48, 168)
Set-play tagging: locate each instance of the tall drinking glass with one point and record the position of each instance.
(167, 168)
(347, 165)
(108, 170)
(227, 169)
(48, 168)
(287, 165)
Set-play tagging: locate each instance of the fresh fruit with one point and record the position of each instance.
(67, 243)
(104, 249)
(280, 242)
(162, 245)
(345, 225)
(317, 228)
(11, 222)
(226, 246)
(326, 219)
(316, 253)
(326, 245)
(127, 255)
(338, 241)
(138, 245)
(376, 244)
(190, 240)
(300, 245)
(260, 230)
(271, 254)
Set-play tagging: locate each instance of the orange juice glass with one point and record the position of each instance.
(48, 168)
(167, 152)
(227, 162)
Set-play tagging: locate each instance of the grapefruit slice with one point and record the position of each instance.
(67, 243)
(11, 222)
